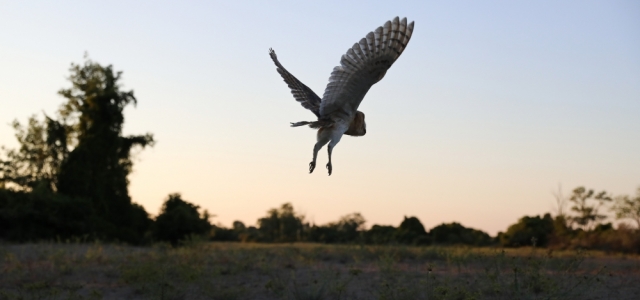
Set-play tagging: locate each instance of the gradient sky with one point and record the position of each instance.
(491, 106)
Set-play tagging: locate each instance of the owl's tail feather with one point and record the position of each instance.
(314, 125)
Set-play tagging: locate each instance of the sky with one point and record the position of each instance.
(492, 106)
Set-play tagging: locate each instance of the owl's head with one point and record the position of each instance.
(357, 127)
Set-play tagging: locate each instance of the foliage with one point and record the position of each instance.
(281, 225)
(97, 168)
(347, 230)
(83, 154)
(529, 231)
(350, 227)
(411, 231)
(622, 239)
(381, 235)
(43, 148)
(626, 207)
(179, 220)
(587, 205)
(220, 233)
(43, 215)
(285, 225)
(456, 234)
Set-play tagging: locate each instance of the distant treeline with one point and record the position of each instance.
(560, 232)
(285, 225)
(68, 181)
(32, 216)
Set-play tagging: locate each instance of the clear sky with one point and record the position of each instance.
(490, 107)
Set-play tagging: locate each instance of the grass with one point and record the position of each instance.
(310, 271)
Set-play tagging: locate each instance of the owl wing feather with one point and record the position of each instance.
(301, 92)
(362, 66)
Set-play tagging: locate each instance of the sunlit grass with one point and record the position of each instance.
(200, 270)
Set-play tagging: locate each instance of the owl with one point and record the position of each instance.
(361, 67)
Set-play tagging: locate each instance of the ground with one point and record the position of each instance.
(201, 270)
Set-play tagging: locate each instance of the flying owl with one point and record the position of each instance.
(362, 66)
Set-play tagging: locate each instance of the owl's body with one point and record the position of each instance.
(361, 67)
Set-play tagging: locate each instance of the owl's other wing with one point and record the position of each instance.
(301, 92)
(362, 66)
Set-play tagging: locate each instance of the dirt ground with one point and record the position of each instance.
(310, 271)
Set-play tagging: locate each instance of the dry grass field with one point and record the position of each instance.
(310, 271)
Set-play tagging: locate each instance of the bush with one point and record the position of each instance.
(44, 215)
(605, 238)
(180, 219)
(456, 234)
(139, 226)
(281, 225)
(348, 229)
(222, 234)
(323, 234)
(528, 230)
(380, 234)
(411, 231)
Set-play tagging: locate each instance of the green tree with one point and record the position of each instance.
(179, 219)
(626, 207)
(586, 206)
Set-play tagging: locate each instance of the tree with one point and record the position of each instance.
(281, 225)
(43, 215)
(411, 231)
(239, 226)
(347, 230)
(381, 234)
(626, 207)
(528, 231)
(587, 204)
(349, 227)
(97, 168)
(455, 233)
(43, 147)
(561, 202)
(83, 153)
(179, 219)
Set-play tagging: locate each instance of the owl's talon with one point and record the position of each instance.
(329, 168)
(312, 166)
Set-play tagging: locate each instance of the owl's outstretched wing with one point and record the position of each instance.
(362, 66)
(301, 92)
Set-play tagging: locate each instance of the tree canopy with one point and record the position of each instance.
(628, 207)
(82, 153)
(180, 219)
(281, 224)
(586, 206)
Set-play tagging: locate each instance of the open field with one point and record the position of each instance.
(310, 271)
